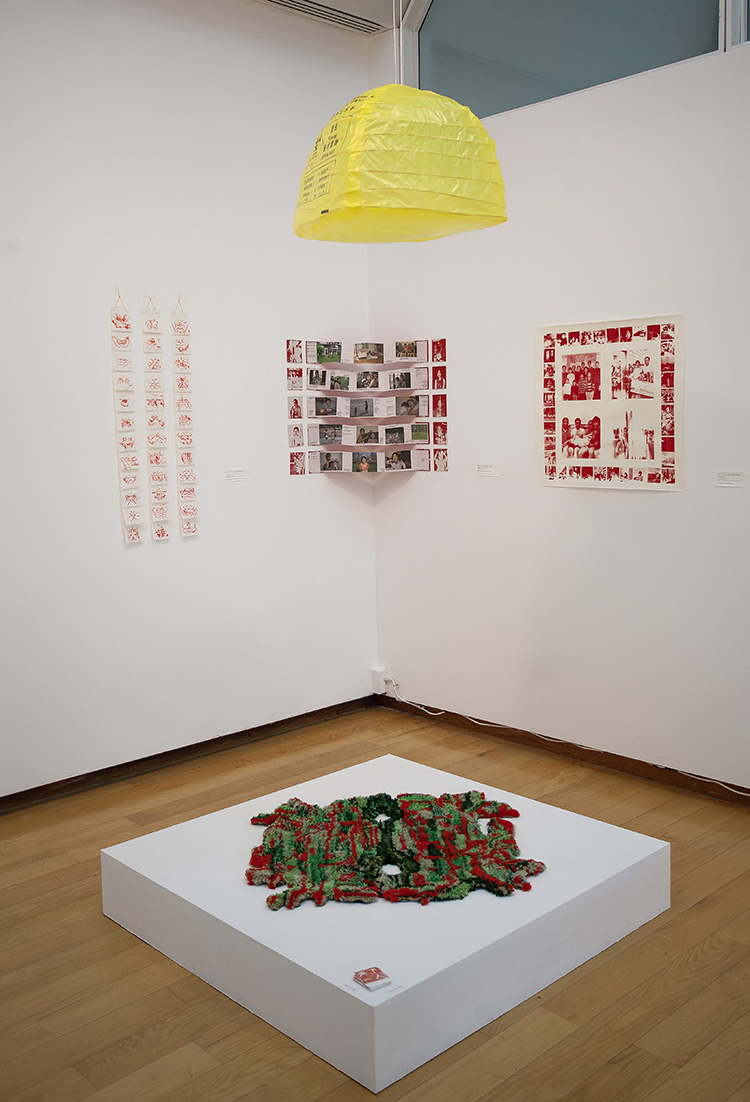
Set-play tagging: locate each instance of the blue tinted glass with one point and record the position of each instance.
(493, 55)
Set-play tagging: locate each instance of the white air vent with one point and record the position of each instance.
(365, 16)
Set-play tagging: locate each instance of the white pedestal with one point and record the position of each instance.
(455, 966)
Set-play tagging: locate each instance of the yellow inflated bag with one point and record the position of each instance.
(400, 164)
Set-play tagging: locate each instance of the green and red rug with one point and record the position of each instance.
(408, 847)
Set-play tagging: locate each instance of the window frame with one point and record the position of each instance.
(734, 25)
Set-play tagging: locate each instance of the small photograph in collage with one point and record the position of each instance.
(294, 352)
(365, 462)
(412, 350)
(399, 380)
(368, 353)
(398, 461)
(328, 352)
(368, 380)
(367, 434)
(331, 461)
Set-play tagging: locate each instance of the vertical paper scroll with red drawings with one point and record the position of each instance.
(156, 421)
(182, 383)
(610, 404)
(146, 486)
(126, 436)
(382, 409)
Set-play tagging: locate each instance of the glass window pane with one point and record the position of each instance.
(738, 11)
(493, 55)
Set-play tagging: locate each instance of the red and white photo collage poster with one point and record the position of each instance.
(610, 404)
(384, 409)
(145, 486)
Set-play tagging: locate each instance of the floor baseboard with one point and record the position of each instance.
(602, 758)
(663, 774)
(71, 785)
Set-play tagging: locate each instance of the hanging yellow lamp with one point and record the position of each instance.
(400, 164)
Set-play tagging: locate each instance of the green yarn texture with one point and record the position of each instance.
(437, 843)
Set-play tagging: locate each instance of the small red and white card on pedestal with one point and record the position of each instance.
(372, 978)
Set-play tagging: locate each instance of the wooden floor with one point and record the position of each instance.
(89, 1011)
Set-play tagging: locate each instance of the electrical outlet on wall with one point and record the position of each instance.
(378, 675)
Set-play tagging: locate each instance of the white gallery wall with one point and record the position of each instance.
(157, 146)
(611, 619)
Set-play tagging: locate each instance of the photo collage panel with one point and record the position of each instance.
(370, 408)
(610, 407)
